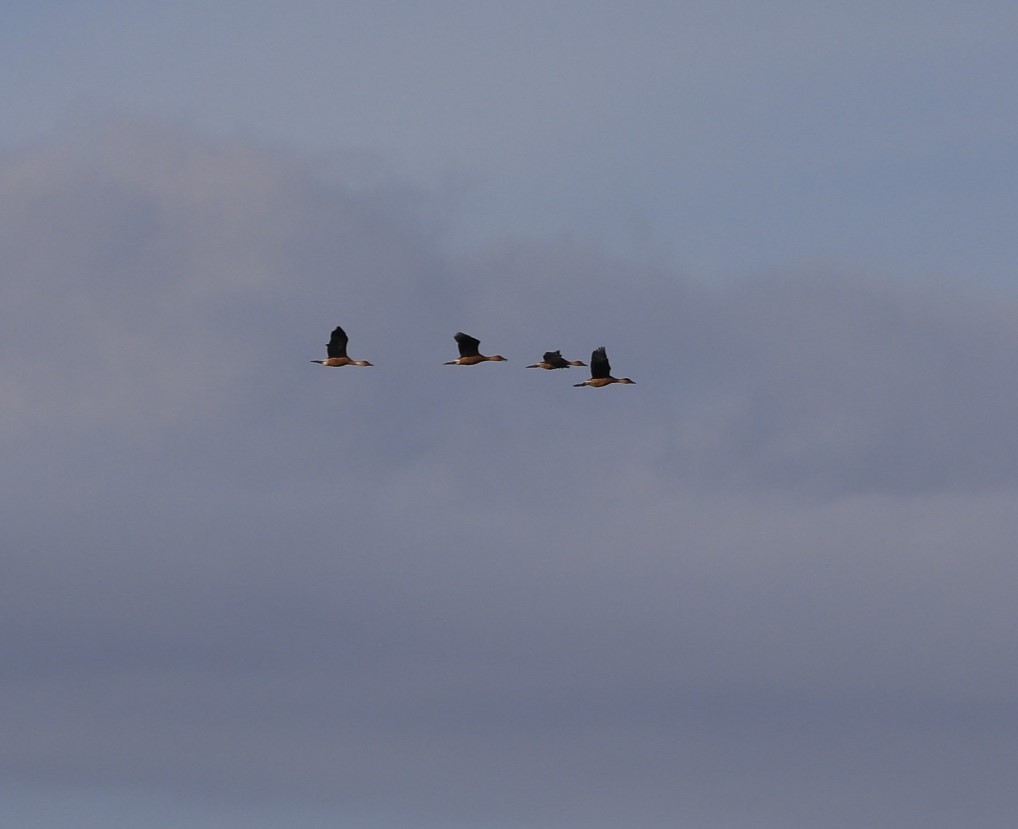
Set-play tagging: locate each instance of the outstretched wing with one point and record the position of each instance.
(599, 366)
(468, 345)
(555, 359)
(337, 344)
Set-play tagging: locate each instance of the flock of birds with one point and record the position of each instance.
(470, 355)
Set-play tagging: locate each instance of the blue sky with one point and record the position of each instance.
(771, 584)
(885, 135)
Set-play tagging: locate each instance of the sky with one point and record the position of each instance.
(770, 584)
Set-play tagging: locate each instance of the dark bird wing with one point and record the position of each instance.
(555, 359)
(599, 366)
(468, 345)
(337, 344)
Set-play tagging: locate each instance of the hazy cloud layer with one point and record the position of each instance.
(770, 584)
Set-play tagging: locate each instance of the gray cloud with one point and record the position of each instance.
(771, 583)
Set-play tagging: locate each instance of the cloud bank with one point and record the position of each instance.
(771, 583)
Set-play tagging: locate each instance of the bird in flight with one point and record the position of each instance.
(336, 351)
(554, 359)
(600, 371)
(469, 354)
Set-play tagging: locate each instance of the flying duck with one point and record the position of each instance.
(600, 371)
(336, 349)
(554, 359)
(469, 355)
